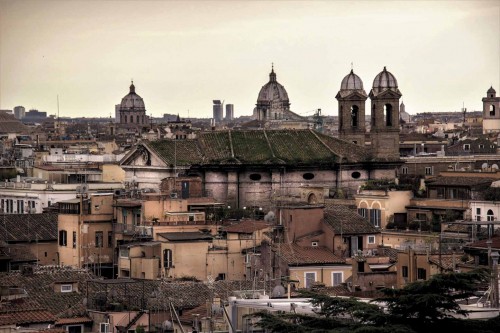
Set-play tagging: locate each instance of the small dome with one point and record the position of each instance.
(385, 80)
(351, 82)
(272, 91)
(132, 102)
(491, 90)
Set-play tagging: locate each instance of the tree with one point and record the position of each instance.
(432, 300)
(418, 307)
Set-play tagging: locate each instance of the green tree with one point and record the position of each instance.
(434, 299)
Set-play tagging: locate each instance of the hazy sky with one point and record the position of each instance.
(182, 55)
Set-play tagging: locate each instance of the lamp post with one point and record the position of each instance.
(494, 280)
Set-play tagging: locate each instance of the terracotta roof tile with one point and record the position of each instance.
(347, 221)
(28, 227)
(246, 227)
(295, 255)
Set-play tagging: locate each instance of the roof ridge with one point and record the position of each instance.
(324, 144)
(269, 143)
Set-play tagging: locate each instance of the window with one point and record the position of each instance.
(489, 215)
(308, 176)
(124, 252)
(371, 239)
(354, 116)
(63, 238)
(481, 146)
(104, 327)
(99, 238)
(167, 258)
(421, 274)
(404, 271)
(362, 212)
(255, 176)
(337, 278)
(309, 279)
(429, 171)
(314, 244)
(478, 214)
(191, 218)
(74, 239)
(421, 217)
(66, 288)
(492, 110)
(20, 206)
(110, 239)
(375, 215)
(404, 170)
(466, 147)
(356, 174)
(388, 114)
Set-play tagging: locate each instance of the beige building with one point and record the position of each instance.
(85, 232)
(382, 206)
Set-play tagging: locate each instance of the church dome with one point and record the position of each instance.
(272, 91)
(351, 82)
(132, 101)
(491, 91)
(385, 80)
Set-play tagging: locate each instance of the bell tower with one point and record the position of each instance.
(385, 129)
(352, 98)
(491, 112)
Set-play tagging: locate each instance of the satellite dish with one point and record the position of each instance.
(278, 291)
(270, 217)
(167, 325)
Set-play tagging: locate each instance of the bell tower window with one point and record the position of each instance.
(354, 116)
(373, 115)
(492, 110)
(388, 114)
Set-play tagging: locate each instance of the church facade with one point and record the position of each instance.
(132, 111)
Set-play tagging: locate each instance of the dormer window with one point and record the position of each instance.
(66, 288)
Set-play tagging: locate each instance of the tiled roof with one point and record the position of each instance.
(460, 181)
(289, 147)
(347, 221)
(295, 255)
(186, 236)
(246, 227)
(28, 227)
(20, 253)
(495, 244)
(9, 124)
(40, 289)
(26, 317)
(76, 320)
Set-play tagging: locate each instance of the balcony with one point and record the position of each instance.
(140, 231)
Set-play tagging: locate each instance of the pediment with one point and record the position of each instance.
(142, 155)
(387, 94)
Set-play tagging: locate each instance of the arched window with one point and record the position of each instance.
(312, 200)
(167, 258)
(492, 110)
(63, 238)
(354, 116)
(131, 119)
(373, 115)
(137, 119)
(388, 114)
(341, 116)
(489, 215)
(125, 119)
(143, 120)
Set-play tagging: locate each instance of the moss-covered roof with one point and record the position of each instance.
(287, 147)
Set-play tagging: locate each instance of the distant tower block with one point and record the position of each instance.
(218, 111)
(491, 112)
(229, 112)
(385, 130)
(19, 112)
(352, 98)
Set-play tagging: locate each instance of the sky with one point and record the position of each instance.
(182, 55)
